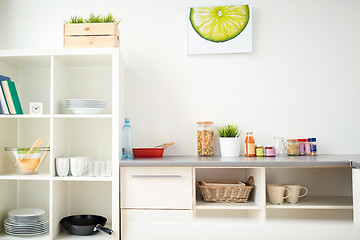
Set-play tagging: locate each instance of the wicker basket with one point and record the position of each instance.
(225, 191)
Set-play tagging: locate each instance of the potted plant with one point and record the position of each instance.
(97, 31)
(229, 135)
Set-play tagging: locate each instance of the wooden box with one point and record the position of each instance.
(91, 35)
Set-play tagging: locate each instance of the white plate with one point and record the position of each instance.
(26, 212)
(86, 110)
(26, 234)
(7, 222)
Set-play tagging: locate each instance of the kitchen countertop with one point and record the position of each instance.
(217, 161)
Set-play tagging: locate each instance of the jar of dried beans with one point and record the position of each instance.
(205, 139)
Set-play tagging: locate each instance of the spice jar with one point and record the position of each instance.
(270, 151)
(307, 147)
(302, 146)
(313, 149)
(205, 139)
(293, 147)
(259, 150)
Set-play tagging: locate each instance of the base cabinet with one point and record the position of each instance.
(356, 195)
(145, 224)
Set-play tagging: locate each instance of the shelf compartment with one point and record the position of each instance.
(257, 196)
(74, 74)
(317, 202)
(23, 133)
(80, 197)
(251, 205)
(31, 75)
(82, 137)
(22, 194)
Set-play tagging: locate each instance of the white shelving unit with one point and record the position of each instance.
(51, 77)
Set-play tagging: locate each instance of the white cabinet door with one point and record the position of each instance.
(149, 224)
(156, 188)
(356, 194)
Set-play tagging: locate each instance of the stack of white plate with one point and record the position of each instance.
(26, 221)
(85, 106)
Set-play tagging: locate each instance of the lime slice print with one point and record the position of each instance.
(219, 24)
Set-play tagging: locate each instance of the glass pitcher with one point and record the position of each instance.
(280, 146)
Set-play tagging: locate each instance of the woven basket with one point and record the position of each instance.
(225, 191)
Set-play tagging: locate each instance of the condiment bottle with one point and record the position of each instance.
(259, 150)
(313, 149)
(270, 151)
(250, 145)
(302, 146)
(293, 147)
(205, 139)
(307, 147)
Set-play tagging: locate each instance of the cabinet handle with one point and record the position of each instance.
(157, 176)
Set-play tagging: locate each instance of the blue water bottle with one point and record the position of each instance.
(126, 143)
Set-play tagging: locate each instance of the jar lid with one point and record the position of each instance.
(302, 140)
(293, 140)
(312, 139)
(258, 145)
(205, 122)
(269, 146)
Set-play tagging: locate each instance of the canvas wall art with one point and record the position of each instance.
(219, 29)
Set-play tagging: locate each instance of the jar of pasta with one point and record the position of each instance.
(293, 147)
(205, 139)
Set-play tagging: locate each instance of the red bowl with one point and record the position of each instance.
(148, 152)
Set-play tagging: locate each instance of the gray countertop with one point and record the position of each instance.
(287, 161)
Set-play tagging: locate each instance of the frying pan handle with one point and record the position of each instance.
(104, 229)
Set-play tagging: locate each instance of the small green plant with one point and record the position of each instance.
(93, 19)
(229, 130)
(75, 19)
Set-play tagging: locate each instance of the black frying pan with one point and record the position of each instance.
(84, 225)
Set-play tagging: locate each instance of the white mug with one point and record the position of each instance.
(62, 166)
(77, 166)
(276, 193)
(295, 193)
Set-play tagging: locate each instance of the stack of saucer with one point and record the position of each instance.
(26, 221)
(85, 106)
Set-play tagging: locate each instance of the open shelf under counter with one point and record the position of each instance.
(98, 236)
(14, 176)
(200, 204)
(83, 179)
(317, 202)
(24, 116)
(82, 116)
(5, 236)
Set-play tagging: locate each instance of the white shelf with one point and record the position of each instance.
(61, 51)
(317, 202)
(27, 116)
(25, 177)
(4, 236)
(98, 236)
(84, 179)
(213, 205)
(83, 116)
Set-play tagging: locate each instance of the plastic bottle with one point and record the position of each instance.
(250, 145)
(126, 143)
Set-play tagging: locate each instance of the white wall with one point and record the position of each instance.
(301, 80)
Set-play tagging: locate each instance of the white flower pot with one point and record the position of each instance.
(230, 147)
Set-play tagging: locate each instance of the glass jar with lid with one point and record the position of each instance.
(205, 139)
(259, 150)
(293, 147)
(270, 151)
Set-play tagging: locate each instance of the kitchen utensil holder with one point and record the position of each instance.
(223, 191)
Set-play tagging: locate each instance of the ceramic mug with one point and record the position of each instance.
(62, 166)
(276, 193)
(295, 193)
